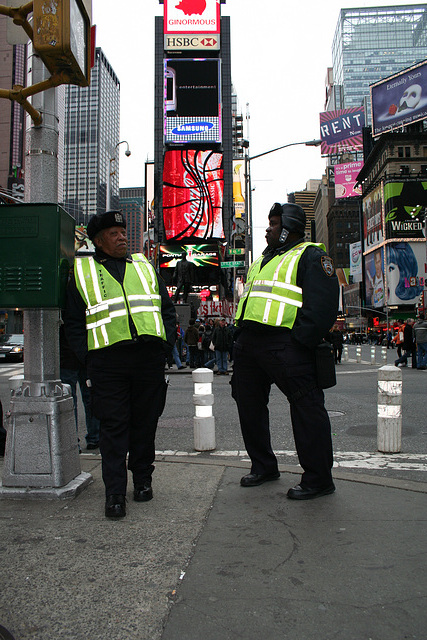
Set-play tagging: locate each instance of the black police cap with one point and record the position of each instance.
(101, 221)
(292, 215)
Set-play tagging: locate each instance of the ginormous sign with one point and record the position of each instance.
(193, 193)
(192, 16)
(342, 130)
(399, 99)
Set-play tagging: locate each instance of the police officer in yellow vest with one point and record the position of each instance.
(289, 303)
(118, 320)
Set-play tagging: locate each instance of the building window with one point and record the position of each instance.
(404, 170)
(400, 152)
(407, 152)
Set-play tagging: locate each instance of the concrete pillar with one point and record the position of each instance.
(359, 354)
(204, 421)
(389, 426)
(384, 354)
(372, 354)
(345, 353)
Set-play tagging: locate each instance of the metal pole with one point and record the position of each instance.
(42, 458)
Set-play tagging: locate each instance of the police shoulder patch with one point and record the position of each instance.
(327, 265)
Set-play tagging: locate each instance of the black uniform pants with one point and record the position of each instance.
(128, 394)
(260, 361)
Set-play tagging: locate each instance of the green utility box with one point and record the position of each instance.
(36, 254)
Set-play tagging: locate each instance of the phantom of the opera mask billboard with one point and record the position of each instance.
(193, 193)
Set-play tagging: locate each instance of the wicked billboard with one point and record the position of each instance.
(405, 204)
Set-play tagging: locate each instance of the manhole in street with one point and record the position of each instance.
(335, 414)
(5, 634)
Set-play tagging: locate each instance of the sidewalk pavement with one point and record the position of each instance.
(207, 559)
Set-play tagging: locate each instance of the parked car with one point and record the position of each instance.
(12, 347)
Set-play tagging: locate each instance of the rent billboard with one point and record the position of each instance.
(193, 190)
(342, 130)
(192, 16)
(404, 206)
(373, 218)
(192, 100)
(399, 99)
(345, 179)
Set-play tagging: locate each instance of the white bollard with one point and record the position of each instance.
(389, 426)
(372, 355)
(384, 354)
(358, 354)
(345, 353)
(204, 421)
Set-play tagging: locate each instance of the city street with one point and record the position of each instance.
(352, 406)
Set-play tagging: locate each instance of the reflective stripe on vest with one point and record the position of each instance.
(108, 304)
(271, 295)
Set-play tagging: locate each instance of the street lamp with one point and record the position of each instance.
(248, 191)
(112, 171)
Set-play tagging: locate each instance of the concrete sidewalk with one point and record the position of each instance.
(207, 559)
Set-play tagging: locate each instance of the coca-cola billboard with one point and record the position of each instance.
(193, 193)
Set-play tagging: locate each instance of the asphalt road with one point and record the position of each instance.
(352, 406)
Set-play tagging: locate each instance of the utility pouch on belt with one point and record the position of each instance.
(325, 365)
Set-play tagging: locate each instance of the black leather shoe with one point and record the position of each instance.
(115, 506)
(92, 445)
(305, 493)
(254, 479)
(143, 492)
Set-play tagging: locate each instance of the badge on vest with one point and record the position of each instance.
(327, 265)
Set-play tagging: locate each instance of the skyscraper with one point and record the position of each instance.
(371, 43)
(132, 202)
(92, 129)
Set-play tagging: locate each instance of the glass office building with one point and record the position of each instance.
(372, 43)
(91, 133)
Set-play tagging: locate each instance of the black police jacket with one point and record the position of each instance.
(75, 310)
(320, 295)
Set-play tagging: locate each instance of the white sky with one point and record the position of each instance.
(280, 52)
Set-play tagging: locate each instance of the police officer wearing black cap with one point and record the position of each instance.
(289, 303)
(119, 320)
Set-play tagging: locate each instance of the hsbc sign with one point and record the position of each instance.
(192, 42)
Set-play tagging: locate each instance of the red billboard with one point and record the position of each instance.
(192, 16)
(193, 193)
(342, 130)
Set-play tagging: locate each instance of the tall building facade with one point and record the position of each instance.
(91, 135)
(305, 199)
(132, 203)
(12, 116)
(371, 43)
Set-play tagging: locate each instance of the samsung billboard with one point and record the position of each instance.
(400, 99)
(192, 100)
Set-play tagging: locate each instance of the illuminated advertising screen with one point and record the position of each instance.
(200, 255)
(192, 16)
(192, 97)
(193, 193)
(345, 179)
(399, 99)
(341, 130)
(404, 208)
(374, 279)
(373, 218)
(355, 250)
(405, 272)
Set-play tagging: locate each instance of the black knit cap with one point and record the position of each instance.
(292, 215)
(101, 221)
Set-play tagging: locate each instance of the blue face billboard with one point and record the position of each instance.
(399, 99)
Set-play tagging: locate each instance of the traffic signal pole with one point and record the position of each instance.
(42, 457)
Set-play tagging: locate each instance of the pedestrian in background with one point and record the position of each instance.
(408, 346)
(119, 320)
(337, 341)
(191, 338)
(289, 303)
(420, 330)
(221, 339)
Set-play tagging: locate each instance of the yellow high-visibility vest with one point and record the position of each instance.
(271, 295)
(109, 304)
